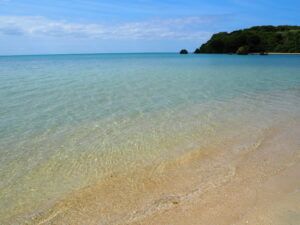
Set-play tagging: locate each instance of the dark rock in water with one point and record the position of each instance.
(263, 53)
(197, 51)
(184, 51)
(243, 50)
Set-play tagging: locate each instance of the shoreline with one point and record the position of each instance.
(283, 53)
(272, 53)
(210, 187)
(264, 188)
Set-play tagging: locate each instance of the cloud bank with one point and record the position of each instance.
(187, 28)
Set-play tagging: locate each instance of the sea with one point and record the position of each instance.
(111, 138)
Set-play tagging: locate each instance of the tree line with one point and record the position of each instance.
(254, 40)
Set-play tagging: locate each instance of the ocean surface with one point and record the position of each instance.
(106, 131)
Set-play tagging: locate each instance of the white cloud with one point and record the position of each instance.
(188, 28)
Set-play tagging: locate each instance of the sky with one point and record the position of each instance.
(103, 26)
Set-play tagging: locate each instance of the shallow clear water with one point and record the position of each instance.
(68, 121)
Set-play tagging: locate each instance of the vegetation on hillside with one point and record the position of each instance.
(255, 39)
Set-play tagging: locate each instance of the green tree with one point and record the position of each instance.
(258, 39)
(243, 50)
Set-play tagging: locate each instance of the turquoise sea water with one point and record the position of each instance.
(68, 121)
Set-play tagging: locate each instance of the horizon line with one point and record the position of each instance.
(98, 53)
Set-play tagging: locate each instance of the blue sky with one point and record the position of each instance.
(94, 26)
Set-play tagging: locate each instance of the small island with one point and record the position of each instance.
(184, 52)
(254, 40)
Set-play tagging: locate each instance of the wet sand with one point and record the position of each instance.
(264, 190)
(246, 180)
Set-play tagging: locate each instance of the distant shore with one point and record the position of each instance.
(277, 39)
(283, 53)
(274, 53)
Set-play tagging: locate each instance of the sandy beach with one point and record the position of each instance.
(256, 184)
(282, 53)
(265, 189)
